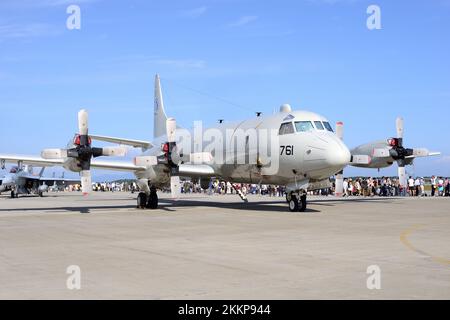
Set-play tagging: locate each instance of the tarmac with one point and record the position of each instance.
(217, 247)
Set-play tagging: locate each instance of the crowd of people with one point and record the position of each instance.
(385, 187)
(221, 187)
(365, 187)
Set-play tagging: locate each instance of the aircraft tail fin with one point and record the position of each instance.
(160, 117)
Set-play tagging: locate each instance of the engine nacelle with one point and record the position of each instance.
(371, 150)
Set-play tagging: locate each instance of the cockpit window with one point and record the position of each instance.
(304, 126)
(286, 128)
(14, 170)
(327, 125)
(319, 125)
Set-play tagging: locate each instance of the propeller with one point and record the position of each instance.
(403, 156)
(83, 152)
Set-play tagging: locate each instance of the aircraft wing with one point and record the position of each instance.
(116, 166)
(129, 142)
(33, 160)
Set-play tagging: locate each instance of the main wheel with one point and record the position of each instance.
(288, 197)
(41, 194)
(293, 204)
(141, 200)
(302, 204)
(13, 194)
(152, 200)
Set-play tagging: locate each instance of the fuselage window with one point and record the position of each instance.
(304, 126)
(319, 125)
(328, 127)
(286, 128)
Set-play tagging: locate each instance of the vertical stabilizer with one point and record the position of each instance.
(159, 119)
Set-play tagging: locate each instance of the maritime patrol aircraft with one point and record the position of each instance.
(22, 180)
(302, 155)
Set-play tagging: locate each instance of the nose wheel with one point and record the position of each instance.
(296, 203)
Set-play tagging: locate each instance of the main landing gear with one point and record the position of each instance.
(297, 201)
(149, 201)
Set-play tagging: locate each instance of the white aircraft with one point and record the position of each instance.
(302, 152)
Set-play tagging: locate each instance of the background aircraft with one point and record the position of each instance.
(309, 153)
(21, 180)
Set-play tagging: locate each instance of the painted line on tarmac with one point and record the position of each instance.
(404, 239)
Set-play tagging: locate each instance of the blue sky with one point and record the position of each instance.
(314, 54)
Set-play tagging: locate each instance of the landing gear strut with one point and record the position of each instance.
(297, 202)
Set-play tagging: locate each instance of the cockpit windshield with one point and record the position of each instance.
(328, 126)
(14, 170)
(304, 126)
(319, 125)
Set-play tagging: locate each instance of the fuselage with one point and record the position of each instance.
(300, 146)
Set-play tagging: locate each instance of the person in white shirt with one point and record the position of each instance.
(345, 185)
(411, 182)
(433, 185)
(417, 187)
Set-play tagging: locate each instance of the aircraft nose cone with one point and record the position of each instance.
(6, 181)
(338, 154)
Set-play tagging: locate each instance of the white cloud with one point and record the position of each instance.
(194, 13)
(242, 21)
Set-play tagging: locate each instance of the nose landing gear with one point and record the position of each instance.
(297, 201)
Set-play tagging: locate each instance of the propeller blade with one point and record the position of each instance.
(86, 182)
(361, 159)
(421, 152)
(50, 154)
(171, 127)
(175, 187)
(400, 127)
(146, 161)
(340, 130)
(200, 157)
(402, 176)
(381, 153)
(83, 122)
(114, 151)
